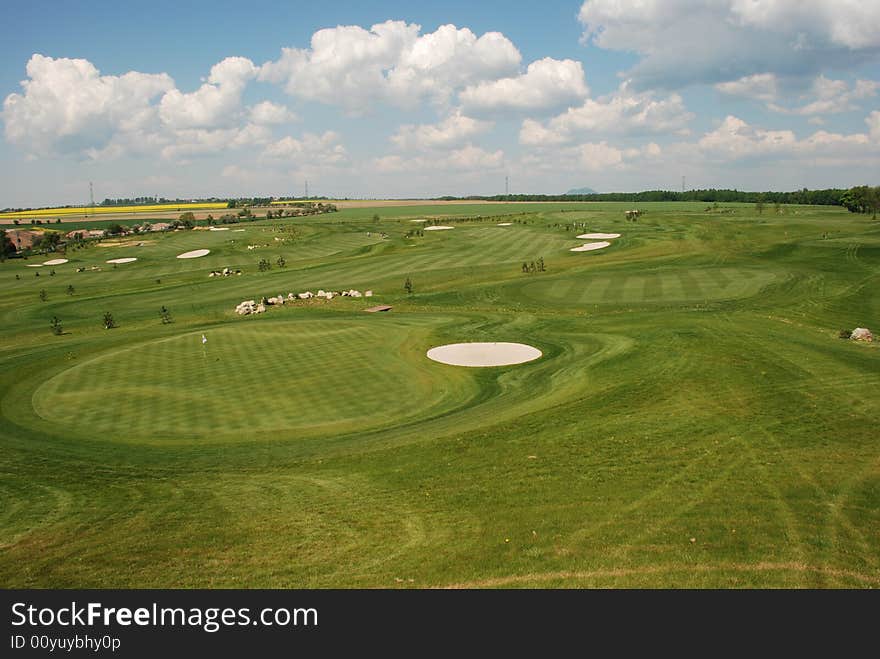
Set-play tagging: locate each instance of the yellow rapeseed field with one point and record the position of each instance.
(103, 210)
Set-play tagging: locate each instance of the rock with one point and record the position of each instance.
(861, 334)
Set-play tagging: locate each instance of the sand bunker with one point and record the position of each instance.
(55, 262)
(598, 236)
(237, 230)
(589, 247)
(35, 265)
(484, 354)
(128, 259)
(505, 224)
(219, 229)
(194, 254)
(418, 220)
(438, 228)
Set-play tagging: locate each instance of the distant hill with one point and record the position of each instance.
(581, 191)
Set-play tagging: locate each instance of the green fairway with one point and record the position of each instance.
(694, 419)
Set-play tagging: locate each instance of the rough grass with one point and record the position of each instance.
(694, 422)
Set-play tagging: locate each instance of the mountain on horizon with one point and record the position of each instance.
(581, 191)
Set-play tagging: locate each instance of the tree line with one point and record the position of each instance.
(858, 199)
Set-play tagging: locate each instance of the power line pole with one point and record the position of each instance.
(307, 189)
(91, 199)
(506, 186)
(682, 183)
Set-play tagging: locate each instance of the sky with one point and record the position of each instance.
(395, 99)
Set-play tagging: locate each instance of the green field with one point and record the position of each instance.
(695, 421)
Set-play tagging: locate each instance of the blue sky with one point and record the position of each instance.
(386, 99)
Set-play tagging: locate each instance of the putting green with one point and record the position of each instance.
(253, 381)
(677, 285)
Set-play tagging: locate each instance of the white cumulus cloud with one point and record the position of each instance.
(216, 102)
(468, 158)
(624, 113)
(353, 67)
(67, 106)
(683, 42)
(735, 139)
(452, 131)
(323, 149)
(268, 113)
(547, 84)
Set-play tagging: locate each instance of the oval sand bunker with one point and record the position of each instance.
(484, 354)
(598, 236)
(196, 253)
(127, 259)
(438, 228)
(55, 262)
(589, 247)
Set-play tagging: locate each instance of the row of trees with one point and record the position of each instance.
(826, 197)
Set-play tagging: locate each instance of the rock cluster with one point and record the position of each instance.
(248, 307)
(225, 272)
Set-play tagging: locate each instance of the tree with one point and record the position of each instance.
(115, 230)
(759, 207)
(541, 267)
(525, 267)
(264, 265)
(70, 289)
(281, 262)
(376, 217)
(408, 286)
(187, 217)
(165, 315)
(109, 323)
(57, 330)
(43, 295)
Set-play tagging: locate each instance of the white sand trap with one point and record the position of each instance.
(589, 247)
(219, 229)
(438, 227)
(194, 254)
(128, 259)
(484, 354)
(505, 224)
(598, 236)
(35, 265)
(418, 220)
(238, 230)
(55, 262)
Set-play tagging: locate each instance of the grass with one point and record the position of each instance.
(694, 422)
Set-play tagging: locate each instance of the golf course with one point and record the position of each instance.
(681, 411)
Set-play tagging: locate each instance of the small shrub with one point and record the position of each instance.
(844, 334)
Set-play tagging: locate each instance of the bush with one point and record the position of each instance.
(844, 334)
